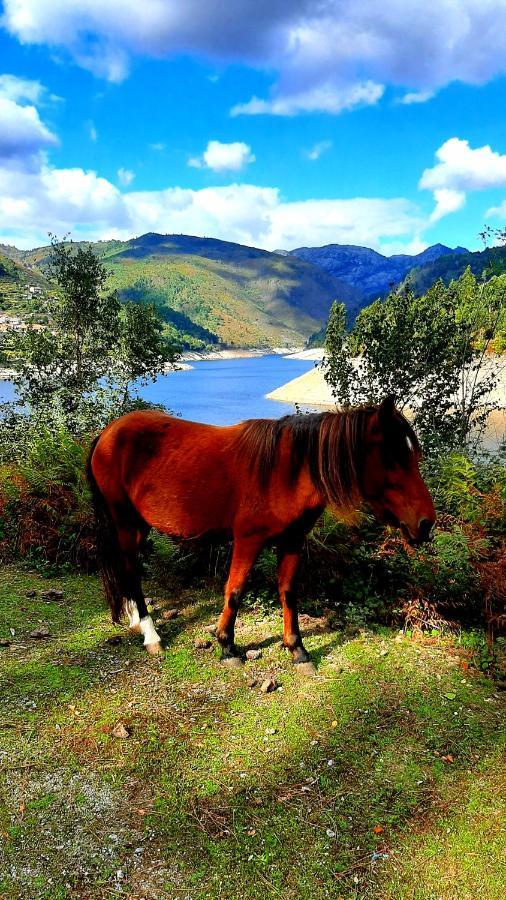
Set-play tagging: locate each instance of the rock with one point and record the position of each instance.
(40, 633)
(252, 682)
(253, 654)
(211, 629)
(168, 614)
(270, 684)
(114, 640)
(31, 594)
(202, 644)
(5, 642)
(120, 731)
(52, 594)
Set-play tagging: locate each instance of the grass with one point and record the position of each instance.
(381, 777)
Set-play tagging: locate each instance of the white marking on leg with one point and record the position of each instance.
(148, 630)
(133, 614)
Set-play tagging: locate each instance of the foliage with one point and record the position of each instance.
(430, 352)
(177, 325)
(81, 372)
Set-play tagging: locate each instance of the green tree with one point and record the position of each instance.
(430, 352)
(80, 371)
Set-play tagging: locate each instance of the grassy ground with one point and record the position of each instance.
(381, 777)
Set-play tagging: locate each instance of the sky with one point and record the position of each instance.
(275, 123)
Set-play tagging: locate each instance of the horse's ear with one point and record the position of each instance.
(387, 408)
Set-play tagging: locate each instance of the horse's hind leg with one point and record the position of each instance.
(244, 555)
(130, 539)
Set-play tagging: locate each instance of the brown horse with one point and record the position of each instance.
(260, 481)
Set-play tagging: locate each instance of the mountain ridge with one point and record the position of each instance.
(371, 272)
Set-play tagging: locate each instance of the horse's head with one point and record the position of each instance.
(392, 484)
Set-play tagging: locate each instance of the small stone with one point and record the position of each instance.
(253, 654)
(211, 629)
(52, 594)
(40, 633)
(120, 731)
(202, 644)
(30, 594)
(270, 730)
(168, 614)
(5, 642)
(252, 682)
(270, 684)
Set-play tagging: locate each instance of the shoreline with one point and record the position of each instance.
(311, 389)
(240, 353)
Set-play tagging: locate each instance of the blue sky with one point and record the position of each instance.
(271, 123)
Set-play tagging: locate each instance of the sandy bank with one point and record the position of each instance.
(311, 389)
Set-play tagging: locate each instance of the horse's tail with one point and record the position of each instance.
(108, 548)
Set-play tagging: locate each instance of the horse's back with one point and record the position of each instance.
(180, 476)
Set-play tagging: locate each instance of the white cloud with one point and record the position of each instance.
(223, 157)
(460, 169)
(77, 201)
(125, 176)
(22, 134)
(416, 46)
(416, 97)
(92, 131)
(317, 150)
(447, 201)
(17, 89)
(158, 146)
(498, 212)
(328, 98)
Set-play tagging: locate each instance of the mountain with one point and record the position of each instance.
(239, 295)
(368, 271)
(450, 267)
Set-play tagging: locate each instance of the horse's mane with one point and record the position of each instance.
(332, 444)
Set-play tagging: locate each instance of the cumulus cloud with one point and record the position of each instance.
(22, 134)
(317, 150)
(460, 169)
(223, 157)
(331, 45)
(63, 200)
(125, 176)
(447, 201)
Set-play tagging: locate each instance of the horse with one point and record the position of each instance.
(263, 481)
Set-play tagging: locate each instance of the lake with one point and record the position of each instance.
(220, 391)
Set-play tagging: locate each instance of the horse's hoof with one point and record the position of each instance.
(305, 668)
(232, 662)
(154, 648)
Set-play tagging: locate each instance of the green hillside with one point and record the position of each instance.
(227, 293)
(22, 290)
(245, 296)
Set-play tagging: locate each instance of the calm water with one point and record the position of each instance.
(220, 391)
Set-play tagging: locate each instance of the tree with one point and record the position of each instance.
(430, 352)
(80, 371)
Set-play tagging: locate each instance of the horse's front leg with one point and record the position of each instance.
(288, 563)
(244, 556)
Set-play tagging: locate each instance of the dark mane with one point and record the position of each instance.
(332, 444)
